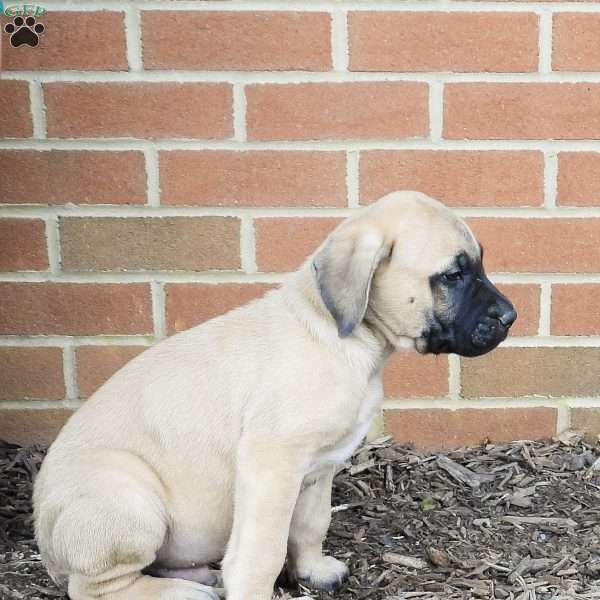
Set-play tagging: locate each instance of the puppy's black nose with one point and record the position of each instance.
(505, 313)
(508, 317)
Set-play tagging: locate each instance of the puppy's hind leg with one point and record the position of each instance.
(107, 546)
(108, 533)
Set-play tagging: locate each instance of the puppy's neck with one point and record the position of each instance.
(366, 348)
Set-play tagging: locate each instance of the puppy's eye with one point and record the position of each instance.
(452, 276)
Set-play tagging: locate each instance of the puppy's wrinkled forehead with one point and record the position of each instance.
(424, 232)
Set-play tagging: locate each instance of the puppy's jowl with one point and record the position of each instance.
(221, 442)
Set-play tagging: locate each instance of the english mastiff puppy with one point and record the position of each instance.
(221, 442)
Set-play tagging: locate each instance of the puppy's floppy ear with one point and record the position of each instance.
(344, 268)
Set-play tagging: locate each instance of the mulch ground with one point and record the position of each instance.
(518, 520)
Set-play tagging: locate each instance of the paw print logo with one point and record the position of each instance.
(24, 31)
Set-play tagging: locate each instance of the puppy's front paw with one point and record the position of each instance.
(326, 574)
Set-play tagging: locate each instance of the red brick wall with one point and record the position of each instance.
(160, 166)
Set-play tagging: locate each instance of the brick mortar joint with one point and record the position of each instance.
(548, 146)
(50, 340)
(254, 276)
(324, 6)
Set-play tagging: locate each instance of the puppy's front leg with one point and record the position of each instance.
(268, 478)
(308, 530)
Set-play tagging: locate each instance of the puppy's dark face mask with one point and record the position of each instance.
(470, 316)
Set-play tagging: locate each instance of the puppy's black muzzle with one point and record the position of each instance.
(471, 319)
(491, 329)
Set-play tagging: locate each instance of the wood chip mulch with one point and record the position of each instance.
(506, 521)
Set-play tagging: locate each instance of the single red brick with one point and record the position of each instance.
(539, 245)
(153, 110)
(31, 373)
(190, 304)
(443, 41)
(282, 244)
(71, 40)
(534, 111)
(410, 374)
(96, 364)
(146, 243)
(32, 426)
(81, 177)
(23, 245)
(577, 185)
(242, 41)
(458, 178)
(575, 309)
(262, 178)
(15, 110)
(575, 41)
(318, 111)
(434, 428)
(75, 309)
(550, 372)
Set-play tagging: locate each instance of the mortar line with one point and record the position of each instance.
(139, 144)
(122, 211)
(248, 245)
(152, 176)
(353, 178)
(158, 309)
(108, 277)
(545, 41)
(552, 341)
(250, 277)
(339, 40)
(133, 37)
(72, 404)
(239, 112)
(436, 111)
(428, 403)
(28, 341)
(388, 403)
(69, 372)
(325, 5)
(38, 109)
(563, 417)
(545, 308)
(148, 339)
(301, 77)
(550, 179)
(53, 244)
(454, 377)
(38, 404)
(582, 402)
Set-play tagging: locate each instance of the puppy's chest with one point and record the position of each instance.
(344, 448)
